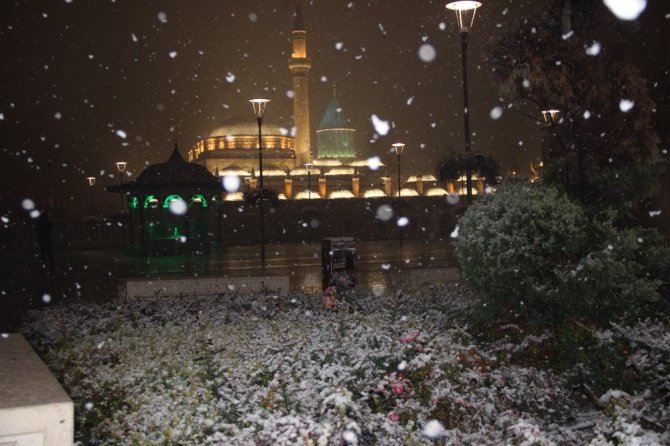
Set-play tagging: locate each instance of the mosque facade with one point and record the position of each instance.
(293, 165)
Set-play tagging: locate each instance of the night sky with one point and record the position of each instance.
(75, 72)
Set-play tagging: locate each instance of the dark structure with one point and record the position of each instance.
(171, 206)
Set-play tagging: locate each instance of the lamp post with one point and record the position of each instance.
(91, 182)
(259, 106)
(308, 166)
(121, 167)
(465, 14)
(398, 148)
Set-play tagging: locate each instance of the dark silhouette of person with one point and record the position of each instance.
(43, 227)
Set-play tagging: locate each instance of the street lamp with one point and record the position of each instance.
(91, 182)
(259, 106)
(121, 167)
(398, 148)
(465, 14)
(308, 166)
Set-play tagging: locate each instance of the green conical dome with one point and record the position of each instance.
(334, 138)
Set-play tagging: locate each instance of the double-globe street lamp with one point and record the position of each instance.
(259, 106)
(465, 14)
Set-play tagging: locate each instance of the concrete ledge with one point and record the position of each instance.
(434, 275)
(190, 286)
(34, 408)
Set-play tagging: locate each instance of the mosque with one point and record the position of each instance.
(290, 166)
(183, 199)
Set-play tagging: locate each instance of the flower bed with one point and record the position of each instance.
(279, 370)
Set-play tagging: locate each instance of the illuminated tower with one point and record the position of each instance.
(299, 64)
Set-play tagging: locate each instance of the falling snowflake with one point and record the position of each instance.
(381, 127)
(162, 17)
(594, 49)
(121, 134)
(28, 204)
(173, 54)
(626, 9)
(454, 233)
(178, 207)
(339, 46)
(384, 212)
(374, 162)
(626, 105)
(427, 52)
(231, 183)
(230, 77)
(496, 112)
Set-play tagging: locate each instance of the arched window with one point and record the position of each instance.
(199, 200)
(150, 201)
(166, 203)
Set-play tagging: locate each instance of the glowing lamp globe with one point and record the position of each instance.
(465, 13)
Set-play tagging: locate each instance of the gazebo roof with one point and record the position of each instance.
(175, 173)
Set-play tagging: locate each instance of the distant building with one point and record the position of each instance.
(290, 166)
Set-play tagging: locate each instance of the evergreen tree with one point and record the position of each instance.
(604, 149)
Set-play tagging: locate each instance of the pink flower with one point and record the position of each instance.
(409, 337)
(398, 388)
(394, 417)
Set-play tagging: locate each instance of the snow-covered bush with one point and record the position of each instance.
(534, 254)
(511, 243)
(394, 370)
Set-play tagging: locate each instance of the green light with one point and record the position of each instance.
(199, 198)
(149, 201)
(166, 203)
(133, 202)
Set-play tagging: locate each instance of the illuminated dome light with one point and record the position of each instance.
(326, 162)
(301, 172)
(464, 191)
(406, 192)
(244, 126)
(373, 163)
(304, 195)
(436, 192)
(274, 172)
(374, 193)
(281, 197)
(236, 196)
(341, 194)
(425, 178)
(340, 171)
(234, 170)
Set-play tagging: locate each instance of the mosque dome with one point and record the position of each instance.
(335, 139)
(246, 126)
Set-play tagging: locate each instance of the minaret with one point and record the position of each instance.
(299, 64)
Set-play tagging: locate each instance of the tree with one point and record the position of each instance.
(605, 150)
(455, 165)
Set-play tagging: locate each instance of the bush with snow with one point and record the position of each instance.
(398, 369)
(535, 254)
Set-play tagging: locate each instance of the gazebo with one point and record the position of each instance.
(172, 207)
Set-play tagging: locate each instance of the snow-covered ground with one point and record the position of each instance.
(395, 369)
